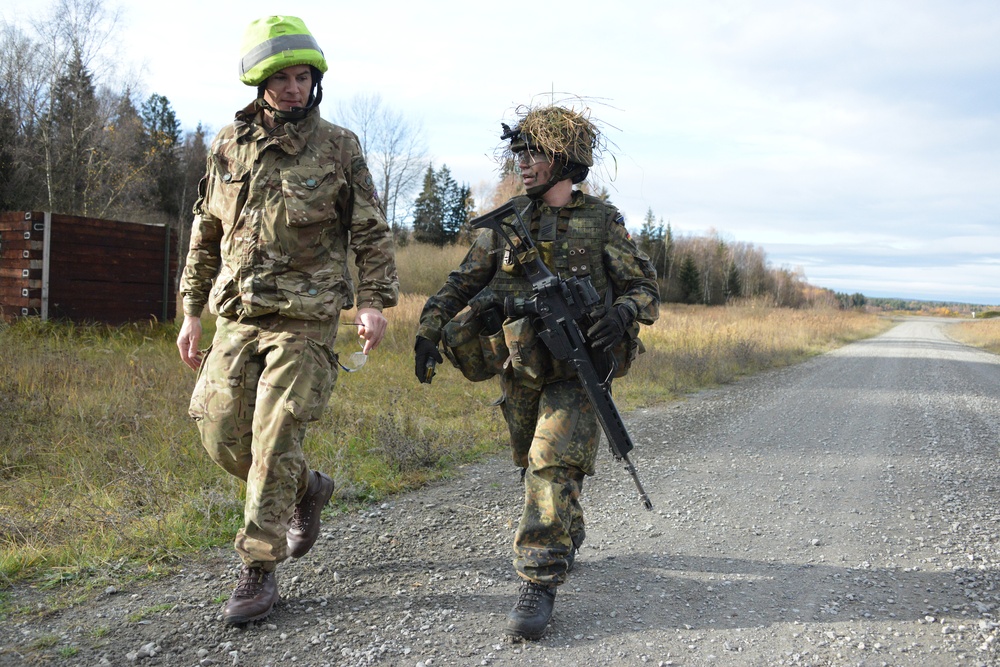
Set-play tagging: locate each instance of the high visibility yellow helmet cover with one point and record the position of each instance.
(273, 43)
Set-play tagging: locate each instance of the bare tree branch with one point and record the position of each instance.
(394, 148)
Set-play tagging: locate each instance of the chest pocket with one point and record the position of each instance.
(228, 189)
(310, 194)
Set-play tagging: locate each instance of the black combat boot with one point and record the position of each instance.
(304, 529)
(254, 597)
(528, 618)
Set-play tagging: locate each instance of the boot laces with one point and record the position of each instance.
(303, 511)
(250, 582)
(531, 595)
(298, 520)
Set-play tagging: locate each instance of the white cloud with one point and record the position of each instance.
(862, 138)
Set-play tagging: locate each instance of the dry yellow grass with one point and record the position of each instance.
(984, 333)
(423, 268)
(692, 347)
(99, 460)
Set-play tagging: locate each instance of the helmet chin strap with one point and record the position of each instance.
(538, 191)
(295, 114)
(562, 171)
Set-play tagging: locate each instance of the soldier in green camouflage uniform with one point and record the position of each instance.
(285, 196)
(553, 429)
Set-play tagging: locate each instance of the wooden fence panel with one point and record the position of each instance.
(85, 269)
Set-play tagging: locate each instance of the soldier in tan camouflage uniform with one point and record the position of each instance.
(553, 429)
(285, 196)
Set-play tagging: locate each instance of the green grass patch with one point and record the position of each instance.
(43, 642)
(137, 616)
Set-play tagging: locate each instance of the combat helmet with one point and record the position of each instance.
(273, 43)
(565, 136)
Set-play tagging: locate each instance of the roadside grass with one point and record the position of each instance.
(983, 333)
(695, 347)
(423, 268)
(101, 468)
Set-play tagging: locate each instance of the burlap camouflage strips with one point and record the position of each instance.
(274, 220)
(259, 385)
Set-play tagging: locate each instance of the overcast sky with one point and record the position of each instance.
(858, 140)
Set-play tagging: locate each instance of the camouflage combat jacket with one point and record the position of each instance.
(586, 223)
(275, 218)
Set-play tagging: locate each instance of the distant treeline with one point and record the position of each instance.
(75, 138)
(711, 270)
(930, 307)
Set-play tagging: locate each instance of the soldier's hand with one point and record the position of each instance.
(425, 352)
(610, 329)
(486, 299)
(187, 341)
(372, 327)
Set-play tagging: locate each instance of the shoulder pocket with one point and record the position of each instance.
(310, 194)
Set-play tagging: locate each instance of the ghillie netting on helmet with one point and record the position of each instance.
(561, 130)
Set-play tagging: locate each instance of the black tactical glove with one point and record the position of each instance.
(489, 309)
(425, 351)
(610, 329)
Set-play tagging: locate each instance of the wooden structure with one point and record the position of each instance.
(85, 269)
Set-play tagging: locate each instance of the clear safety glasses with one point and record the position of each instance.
(356, 360)
(530, 158)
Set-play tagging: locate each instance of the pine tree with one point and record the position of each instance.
(733, 289)
(689, 279)
(647, 232)
(118, 181)
(428, 210)
(441, 211)
(651, 239)
(455, 205)
(163, 134)
(665, 269)
(70, 128)
(451, 211)
(193, 153)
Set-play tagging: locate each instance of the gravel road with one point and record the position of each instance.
(839, 512)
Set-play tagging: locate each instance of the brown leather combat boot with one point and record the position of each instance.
(254, 597)
(304, 529)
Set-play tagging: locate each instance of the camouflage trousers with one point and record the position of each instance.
(554, 435)
(260, 383)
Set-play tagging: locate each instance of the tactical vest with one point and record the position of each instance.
(571, 243)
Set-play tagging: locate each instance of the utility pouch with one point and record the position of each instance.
(495, 352)
(460, 340)
(529, 359)
(626, 351)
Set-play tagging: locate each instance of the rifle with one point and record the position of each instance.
(558, 305)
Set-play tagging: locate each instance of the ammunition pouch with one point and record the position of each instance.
(495, 352)
(530, 360)
(476, 353)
